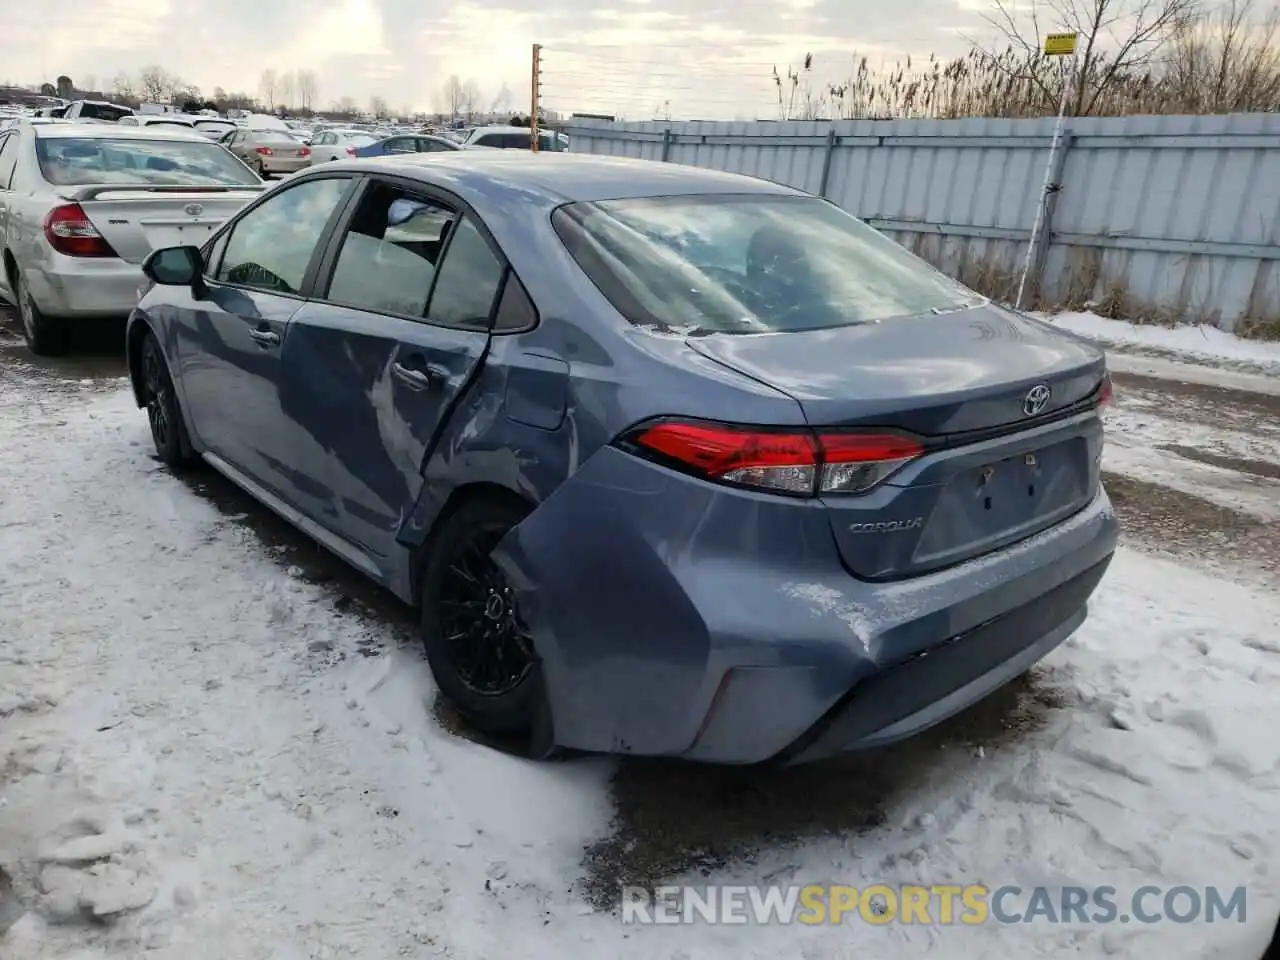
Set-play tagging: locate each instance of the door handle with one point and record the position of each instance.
(417, 379)
(266, 338)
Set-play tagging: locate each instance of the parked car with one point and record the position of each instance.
(516, 138)
(81, 206)
(99, 110)
(338, 145)
(406, 143)
(268, 151)
(212, 128)
(672, 461)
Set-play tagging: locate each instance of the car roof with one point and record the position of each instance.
(115, 132)
(556, 178)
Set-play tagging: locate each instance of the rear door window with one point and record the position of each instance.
(468, 282)
(388, 258)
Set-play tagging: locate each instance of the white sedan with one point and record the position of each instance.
(338, 144)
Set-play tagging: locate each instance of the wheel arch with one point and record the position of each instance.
(136, 333)
(10, 265)
(459, 497)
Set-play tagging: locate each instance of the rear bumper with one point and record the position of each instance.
(929, 688)
(285, 165)
(678, 618)
(84, 288)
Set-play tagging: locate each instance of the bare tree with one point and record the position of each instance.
(285, 86)
(378, 107)
(267, 87)
(90, 83)
(155, 85)
(451, 97)
(123, 86)
(1115, 38)
(1228, 63)
(469, 99)
(345, 106)
(305, 84)
(504, 101)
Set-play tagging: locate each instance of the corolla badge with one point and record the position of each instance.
(193, 209)
(1036, 400)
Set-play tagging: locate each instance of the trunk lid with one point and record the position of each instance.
(999, 465)
(137, 220)
(283, 150)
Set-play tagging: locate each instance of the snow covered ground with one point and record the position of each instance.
(210, 747)
(1201, 344)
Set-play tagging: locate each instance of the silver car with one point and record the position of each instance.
(330, 145)
(269, 151)
(82, 205)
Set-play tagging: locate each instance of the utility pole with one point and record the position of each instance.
(536, 88)
(1055, 45)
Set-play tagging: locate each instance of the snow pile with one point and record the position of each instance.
(1203, 344)
(197, 761)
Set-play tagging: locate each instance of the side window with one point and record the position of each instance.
(488, 140)
(468, 282)
(128, 121)
(271, 247)
(515, 309)
(325, 139)
(389, 255)
(8, 159)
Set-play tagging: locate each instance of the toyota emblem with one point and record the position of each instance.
(1036, 400)
(193, 209)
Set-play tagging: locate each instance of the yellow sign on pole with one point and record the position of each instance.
(1059, 44)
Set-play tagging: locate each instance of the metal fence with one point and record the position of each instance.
(1152, 217)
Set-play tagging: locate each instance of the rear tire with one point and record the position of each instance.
(476, 641)
(168, 429)
(45, 336)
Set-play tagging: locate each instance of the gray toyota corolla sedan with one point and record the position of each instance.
(673, 462)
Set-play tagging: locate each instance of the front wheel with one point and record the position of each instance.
(168, 430)
(477, 643)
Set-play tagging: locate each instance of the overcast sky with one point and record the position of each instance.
(640, 58)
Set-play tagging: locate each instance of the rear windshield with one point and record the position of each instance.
(214, 125)
(169, 123)
(356, 139)
(271, 136)
(85, 161)
(749, 264)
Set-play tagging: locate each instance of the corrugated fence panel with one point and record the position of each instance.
(1160, 217)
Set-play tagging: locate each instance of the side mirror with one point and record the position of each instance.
(174, 266)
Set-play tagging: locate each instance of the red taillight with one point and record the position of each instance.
(304, 151)
(72, 234)
(351, 151)
(797, 462)
(263, 151)
(1104, 391)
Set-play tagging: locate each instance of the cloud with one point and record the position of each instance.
(712, 58)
